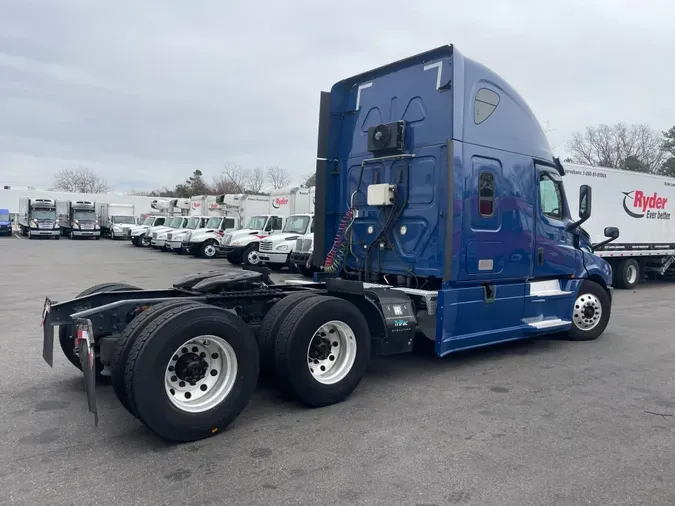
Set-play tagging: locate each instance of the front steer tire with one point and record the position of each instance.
(587, 327)
(127, 340)
(146, 371)
(293, 343)
(66, 331)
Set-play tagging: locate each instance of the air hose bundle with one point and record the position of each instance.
(337, 253)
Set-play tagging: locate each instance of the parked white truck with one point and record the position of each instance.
(276, 249)
(174, 238)
(77, 219)
(158, 236)
(37, 218)
(116, 220)
(254, 211)
(641, 206)
(301, 256)
(204, 242)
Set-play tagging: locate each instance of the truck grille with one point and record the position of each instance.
(227, 240)
(304, 244)
(266, 246)
(46, 224)
(154, 235)
(169, 237)
(87, 226)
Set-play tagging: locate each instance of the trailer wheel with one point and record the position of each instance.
(191, 372)
(627, 273)
(127, 340)
(322, 350)
(270, 328)
(66, 331)
(590, 314)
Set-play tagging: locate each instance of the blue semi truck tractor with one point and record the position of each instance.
(440, 212)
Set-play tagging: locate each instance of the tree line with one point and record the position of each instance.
(635, 147)
(234, 178)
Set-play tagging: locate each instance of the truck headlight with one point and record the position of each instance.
(56, 225)
(283, 247)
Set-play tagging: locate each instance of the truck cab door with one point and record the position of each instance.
(555, 255)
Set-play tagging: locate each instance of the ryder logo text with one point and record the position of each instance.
(639, 204)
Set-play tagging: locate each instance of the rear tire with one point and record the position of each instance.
(148, 380)
(591, 312)
(66, 331)
(269, 329)
(628, 273)
(127, 340)
(334, 334)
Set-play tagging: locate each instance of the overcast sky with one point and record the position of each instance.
(148, 90)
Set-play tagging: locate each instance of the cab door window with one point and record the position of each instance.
(551, 197)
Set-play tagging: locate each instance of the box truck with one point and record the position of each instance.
(78, 219)
(37, 218)
(641, 205)
(205, 242)
(254, 211)
(449, 221)
(116, 220)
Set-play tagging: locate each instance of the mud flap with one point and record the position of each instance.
(84, 343)
(47, 333)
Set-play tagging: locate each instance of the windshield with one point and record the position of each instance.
(213, 222)
(84, 215)
(149, 220)
(123, 219)
(193, 223)
(4, 217)
(175, 223)
(257, 222)
(296, 224)
(43, 214)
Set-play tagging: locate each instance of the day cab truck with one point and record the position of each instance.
(78, 219)
(37, 218)
(241, 246)
(116, 220)
(5, 223)
(450, 221)
(139, 234)
(641, 205)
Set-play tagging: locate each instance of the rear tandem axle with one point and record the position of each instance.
(185, 361)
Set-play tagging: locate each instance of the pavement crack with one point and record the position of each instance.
(664, 415)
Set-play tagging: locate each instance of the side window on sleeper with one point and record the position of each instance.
(486, 194)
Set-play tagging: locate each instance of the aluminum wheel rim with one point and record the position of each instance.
(253, 258)
(331, 352)
(587, 312)
(145, 241)
(210, 250)
(200, 374)
(631, 274)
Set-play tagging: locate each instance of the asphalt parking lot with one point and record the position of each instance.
(536, 422)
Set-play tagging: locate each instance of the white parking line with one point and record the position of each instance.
(18, 236)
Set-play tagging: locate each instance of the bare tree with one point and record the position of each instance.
(278, 177)
(631, 147)
(256, 180)
(234, 177)
(80, 180)
(548, 130)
